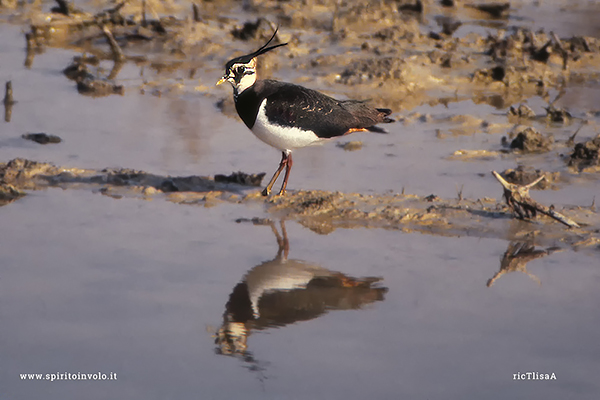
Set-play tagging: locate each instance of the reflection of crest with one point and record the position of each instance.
(281, 291)
(516, 257)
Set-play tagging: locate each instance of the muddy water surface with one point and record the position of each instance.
(180, 302)
(139, 288)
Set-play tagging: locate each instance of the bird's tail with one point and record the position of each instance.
(383, 114)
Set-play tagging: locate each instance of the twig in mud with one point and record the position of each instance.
(118, 55)
(557, 114)
(524, 207)
(571, 140)
(144, 22)
(196, 11)
(115, 69)
(417, 7)
(564, 54)
(8, 94)
(30, 53)
(62, 8)
(560, 94)
(8, 101)
(110, 16)
(152, 11)
(459, 192)
(111, 11)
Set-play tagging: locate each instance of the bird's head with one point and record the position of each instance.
(241, 71)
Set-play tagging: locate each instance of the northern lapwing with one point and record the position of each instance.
(288, 116)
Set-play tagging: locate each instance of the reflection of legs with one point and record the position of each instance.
(286, 242)
(287, 174)
(282, 163)
(535, 278)
(283, 243)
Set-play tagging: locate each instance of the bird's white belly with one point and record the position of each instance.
(281, 137)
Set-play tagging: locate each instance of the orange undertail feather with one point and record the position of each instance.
(355, 130)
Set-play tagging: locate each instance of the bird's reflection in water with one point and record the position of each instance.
(283, 291)
(516, 257)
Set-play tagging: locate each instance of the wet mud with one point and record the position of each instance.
(320, 211)
(395, 48)
(397, 58)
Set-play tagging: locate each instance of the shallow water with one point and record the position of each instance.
(139, 287)
(90, 283)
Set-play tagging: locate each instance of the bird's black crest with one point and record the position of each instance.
(246, 59)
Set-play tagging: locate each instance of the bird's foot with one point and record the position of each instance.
(267, 192)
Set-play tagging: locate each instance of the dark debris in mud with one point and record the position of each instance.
(529, 140)
(493, 10)
(522, 111)
(78, 71)
(449, 25)
(523, 175)
(261, 28)
(89, 84)
(539, 46)
(42, 138)
(99, 88)
(381, 69)
(586, 155)
(241, 178)
(558, 115)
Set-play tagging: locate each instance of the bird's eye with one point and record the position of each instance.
(241, 70)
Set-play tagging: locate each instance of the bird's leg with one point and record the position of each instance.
(287, 174)
(283, 163)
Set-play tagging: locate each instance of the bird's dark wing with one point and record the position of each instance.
(297, 106)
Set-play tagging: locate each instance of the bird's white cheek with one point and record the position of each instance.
(246, 82)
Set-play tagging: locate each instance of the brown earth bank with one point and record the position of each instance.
(320, 211)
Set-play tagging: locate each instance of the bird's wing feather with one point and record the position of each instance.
(293, 105)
